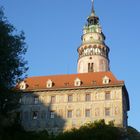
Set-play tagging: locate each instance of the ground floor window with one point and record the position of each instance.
(107, 111)
(35, 115)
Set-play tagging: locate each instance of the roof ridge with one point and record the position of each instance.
(56, 75)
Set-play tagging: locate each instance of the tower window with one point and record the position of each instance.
(90, 67)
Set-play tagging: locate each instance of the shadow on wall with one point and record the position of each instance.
(39, 112)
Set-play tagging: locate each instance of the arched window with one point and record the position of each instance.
(90, 67)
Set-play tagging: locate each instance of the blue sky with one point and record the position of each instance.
(53, 29)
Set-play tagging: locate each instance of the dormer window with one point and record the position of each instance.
(77, 82)
(106, 80)
(49, 84)
(22, 85)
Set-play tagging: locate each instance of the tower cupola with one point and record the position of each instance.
(92, 19)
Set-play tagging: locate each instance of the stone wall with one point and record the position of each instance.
(49, 109)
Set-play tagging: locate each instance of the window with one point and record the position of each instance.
(69, 115)
(107, 111)
(69, 98)
(87, 113)
(35, 115)
(90, 67)
(88, 97)
(106, 80)
(77, 82)
(36, 100)
(52, 114)
(52, 99)
(49, 84)
(22, 85)
(107, 96)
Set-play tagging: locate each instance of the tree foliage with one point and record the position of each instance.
(12, 68)
(133, 134)
(12, 63)
(12, 50)
(91, 131)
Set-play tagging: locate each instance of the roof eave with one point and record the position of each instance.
(74, 88)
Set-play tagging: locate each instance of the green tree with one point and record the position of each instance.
(94, 131)
(12, 63)
(133, 134)
(12, 66)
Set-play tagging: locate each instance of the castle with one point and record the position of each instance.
(61, 102)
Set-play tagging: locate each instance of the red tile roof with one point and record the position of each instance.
(67, 81)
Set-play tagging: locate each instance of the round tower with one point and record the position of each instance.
(93, 52)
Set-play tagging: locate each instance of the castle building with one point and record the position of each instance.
(61, 102)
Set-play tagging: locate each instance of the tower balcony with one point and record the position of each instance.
(92, 54)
